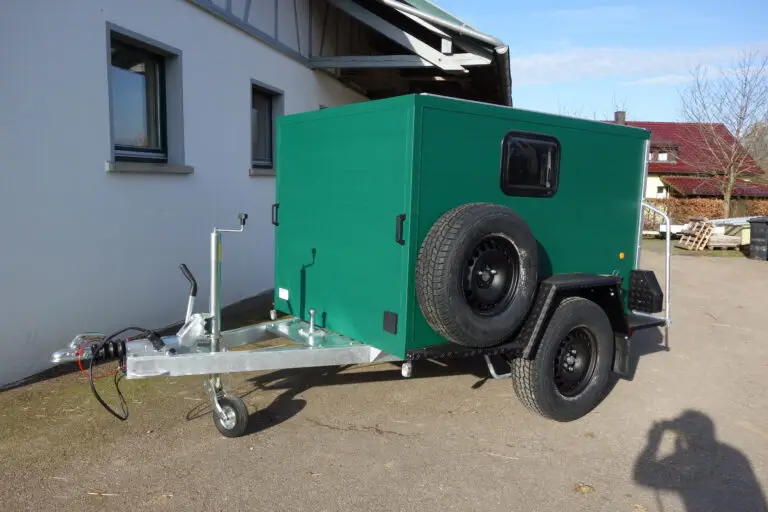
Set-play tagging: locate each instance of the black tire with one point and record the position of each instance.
(237, 413)
(545, 385)
(477, 273)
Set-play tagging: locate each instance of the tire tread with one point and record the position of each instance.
(241, 416)
(438, 294)
(524, 378)
(527, 380)
(432, 268)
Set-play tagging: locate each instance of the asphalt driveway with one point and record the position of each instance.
(689, 432)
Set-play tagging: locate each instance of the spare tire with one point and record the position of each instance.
(477, 273)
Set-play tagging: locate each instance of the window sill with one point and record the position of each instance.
(261, 171)
(149, 168)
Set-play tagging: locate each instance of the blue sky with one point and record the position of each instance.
(585, 58)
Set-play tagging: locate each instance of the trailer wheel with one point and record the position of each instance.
(477, 273)
(567, 377)
(236, 416)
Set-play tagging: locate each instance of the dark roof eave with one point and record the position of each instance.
(431, 12)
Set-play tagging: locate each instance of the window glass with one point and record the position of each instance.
(261, 128)
(136, 104)
(530, 164)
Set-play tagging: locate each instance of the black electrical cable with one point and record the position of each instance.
(154, 338)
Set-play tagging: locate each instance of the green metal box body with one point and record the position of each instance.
(345, 175)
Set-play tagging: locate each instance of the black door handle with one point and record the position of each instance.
(275, 206)
(399, 229)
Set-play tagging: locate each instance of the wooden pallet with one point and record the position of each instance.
(724, 242)
(696, 237)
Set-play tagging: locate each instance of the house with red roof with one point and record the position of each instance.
(686, 160)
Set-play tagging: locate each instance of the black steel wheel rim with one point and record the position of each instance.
(575, 361)
(491, 275)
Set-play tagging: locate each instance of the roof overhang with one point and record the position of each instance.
(381, 48)
(713, 186)
(414, 46)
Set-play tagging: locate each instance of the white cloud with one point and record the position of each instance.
(627, 64)
(622, 19)
(659, 80)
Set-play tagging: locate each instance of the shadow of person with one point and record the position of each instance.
(708, 475)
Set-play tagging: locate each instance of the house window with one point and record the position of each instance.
(262, 127)
(658, 155)
(530, 164)
(137, 83)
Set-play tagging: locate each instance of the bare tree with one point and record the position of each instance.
(618, 105)
(721, 112)
(756, 143)
(563, 110)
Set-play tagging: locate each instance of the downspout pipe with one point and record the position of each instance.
(499, 47)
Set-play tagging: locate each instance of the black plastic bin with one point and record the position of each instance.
(758, 238)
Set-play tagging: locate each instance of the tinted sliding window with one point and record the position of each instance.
(138, 102)
(262, 127)
(530, 164)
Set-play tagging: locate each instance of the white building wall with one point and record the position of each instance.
(655, 188)
(84, 249)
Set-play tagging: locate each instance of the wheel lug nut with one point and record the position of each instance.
(573, 351)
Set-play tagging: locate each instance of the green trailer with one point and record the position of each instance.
(422, 228)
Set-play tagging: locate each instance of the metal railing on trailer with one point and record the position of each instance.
(667, 265)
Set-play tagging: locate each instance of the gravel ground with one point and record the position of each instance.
(689, 432)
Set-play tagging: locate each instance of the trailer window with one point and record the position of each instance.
(530, 164)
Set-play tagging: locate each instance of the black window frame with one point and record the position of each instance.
(128, 153)
(269, 97)
(530, 190)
